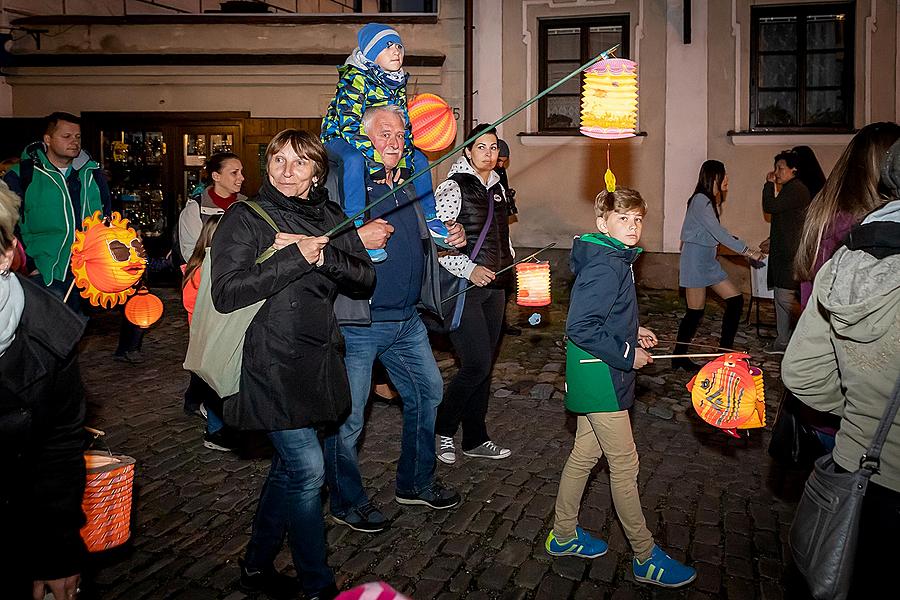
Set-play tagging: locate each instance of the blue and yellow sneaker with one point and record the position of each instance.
(582, 545)
(663, 570)
(439, 232)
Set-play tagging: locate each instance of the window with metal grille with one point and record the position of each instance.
(565, 44)
(801, 67)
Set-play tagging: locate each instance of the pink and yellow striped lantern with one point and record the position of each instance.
(533, 284)
(433, 123)
(609, 101)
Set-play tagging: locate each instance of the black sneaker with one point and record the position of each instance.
(269, 582)
(435, 496)
(366, 518)
(221, 440)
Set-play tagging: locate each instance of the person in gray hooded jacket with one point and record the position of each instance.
(844, 358)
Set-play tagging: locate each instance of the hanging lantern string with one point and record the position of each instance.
(602, 56)
(529, 257)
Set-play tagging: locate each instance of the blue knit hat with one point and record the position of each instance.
(374, 37)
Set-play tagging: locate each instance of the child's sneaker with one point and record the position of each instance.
(661, 569)
(439, 232)
(583, 545)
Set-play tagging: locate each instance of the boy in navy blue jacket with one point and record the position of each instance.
(605, 348)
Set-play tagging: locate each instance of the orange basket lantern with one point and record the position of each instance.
(144, 309)
(533, 284)
(107, 500)
(609, 101)
(433, 123)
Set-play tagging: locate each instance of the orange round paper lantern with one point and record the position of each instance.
(108, 258)
(433, 123)
(533, 284)
(144, 309)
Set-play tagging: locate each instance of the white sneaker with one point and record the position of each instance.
(446, 450)
(488, 450)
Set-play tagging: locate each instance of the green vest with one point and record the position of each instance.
(49, 221)
(589, 386)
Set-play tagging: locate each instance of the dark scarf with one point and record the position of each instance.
(310, 209)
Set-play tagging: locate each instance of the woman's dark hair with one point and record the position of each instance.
(478, 131)
(712, 172)
(809, 171)
(214, 164)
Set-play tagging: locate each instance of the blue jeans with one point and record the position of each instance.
(354, 165)
(404, 350)
(291, 503)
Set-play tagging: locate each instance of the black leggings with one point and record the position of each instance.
(475, 342)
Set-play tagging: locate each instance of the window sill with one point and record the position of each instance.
(573, 139)
(789, 139)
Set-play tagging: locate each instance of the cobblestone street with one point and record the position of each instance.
(716, 502)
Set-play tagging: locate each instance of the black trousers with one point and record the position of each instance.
(475, 342)
(877, 552)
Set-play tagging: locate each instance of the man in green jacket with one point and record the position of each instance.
(60, 185)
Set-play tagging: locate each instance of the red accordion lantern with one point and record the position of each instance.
(533, 284)
(107, 500)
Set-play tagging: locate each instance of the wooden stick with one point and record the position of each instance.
(94, 432)
(71, 287)
(671, 341)
(655, 356)
(603, 55)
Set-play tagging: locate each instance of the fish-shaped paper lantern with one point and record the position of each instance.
(728, 393)
(108, 258)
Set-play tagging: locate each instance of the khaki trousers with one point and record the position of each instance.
(600, 433)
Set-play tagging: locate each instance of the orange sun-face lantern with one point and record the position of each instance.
(728, 393)
(108, 258)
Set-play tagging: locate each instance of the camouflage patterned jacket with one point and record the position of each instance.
(361, 87)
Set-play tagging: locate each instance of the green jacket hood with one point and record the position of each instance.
(36, 152)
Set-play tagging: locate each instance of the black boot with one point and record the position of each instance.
(689, 324)
(734, 306)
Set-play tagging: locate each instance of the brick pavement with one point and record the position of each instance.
(714, 501)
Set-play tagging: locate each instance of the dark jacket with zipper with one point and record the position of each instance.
(788, 211)
(495, 252)
(42, 442)
(603, 318)
(354, 311)
(293, 373)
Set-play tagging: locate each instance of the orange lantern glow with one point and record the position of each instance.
(610, 99)
(107, 500)
(108, 258)
(433, 123)
(729, 394)
(144, 309)
(533, 284)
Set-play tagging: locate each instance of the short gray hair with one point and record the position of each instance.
(373, 112)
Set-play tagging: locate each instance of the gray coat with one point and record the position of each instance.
(702, 227)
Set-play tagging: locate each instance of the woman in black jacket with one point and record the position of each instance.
(472, 196)
(41, 436)
(785, 197)
(293, 378)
